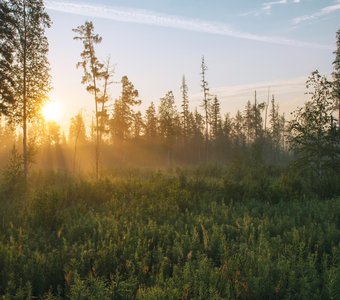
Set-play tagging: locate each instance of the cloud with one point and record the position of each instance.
(152, 18)
(289, 93)
(266, 8)
(321, 13)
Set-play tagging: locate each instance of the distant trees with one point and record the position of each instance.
(151, 122)
(24, 82)
(77, 131)
(168, 122)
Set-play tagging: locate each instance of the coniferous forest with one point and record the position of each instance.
(166, 203)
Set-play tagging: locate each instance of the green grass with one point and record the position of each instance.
(191, 234)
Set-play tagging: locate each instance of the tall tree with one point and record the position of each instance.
(31, 68)
(206, 100)
(93, 71)
(123, 114)
(7, 50)
(336, 76)
(185, 110)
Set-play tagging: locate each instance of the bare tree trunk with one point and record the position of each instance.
(97, 123)
(24, 98)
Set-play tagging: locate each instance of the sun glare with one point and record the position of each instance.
(51, 111)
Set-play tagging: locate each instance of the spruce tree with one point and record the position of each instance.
(168, 122)
(123, 109)
(151, 122)
(215, 119)
(185, 110)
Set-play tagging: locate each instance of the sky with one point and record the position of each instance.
(268, 46)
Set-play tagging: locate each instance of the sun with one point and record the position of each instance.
(51, 111)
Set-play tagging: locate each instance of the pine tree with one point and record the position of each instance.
(31, 68)
(206, 100)
(168, 122)
(123, 115)
(185, 110)
(227, 127)
(151, 122)
(239, 137)
(137, 125)
(275, 124)
(215, 119)
(248, 122)
(7, 51)
(336, 76)
(92, 72)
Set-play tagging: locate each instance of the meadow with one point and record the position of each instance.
(191, 233)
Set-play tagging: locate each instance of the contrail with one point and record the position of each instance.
(147, 17)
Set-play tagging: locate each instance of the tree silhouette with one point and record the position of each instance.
(205, 103)
(7, 50)
(123, 114)
(185, 110)
(93, 71)
(31, 68)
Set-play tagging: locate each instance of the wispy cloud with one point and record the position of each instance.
(266, 7)
(321, 13)
(152, 18)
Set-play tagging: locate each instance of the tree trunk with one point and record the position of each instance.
(24, 98)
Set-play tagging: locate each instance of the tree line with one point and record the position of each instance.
(260, 132)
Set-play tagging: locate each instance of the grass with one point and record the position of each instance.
(188, 234)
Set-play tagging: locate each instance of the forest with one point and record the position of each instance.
(169, 203)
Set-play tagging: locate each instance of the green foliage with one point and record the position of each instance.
(209, 233)
(13, 174)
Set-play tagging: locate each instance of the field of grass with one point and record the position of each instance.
(187, 234)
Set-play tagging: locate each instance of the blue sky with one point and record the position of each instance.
(247, 45)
